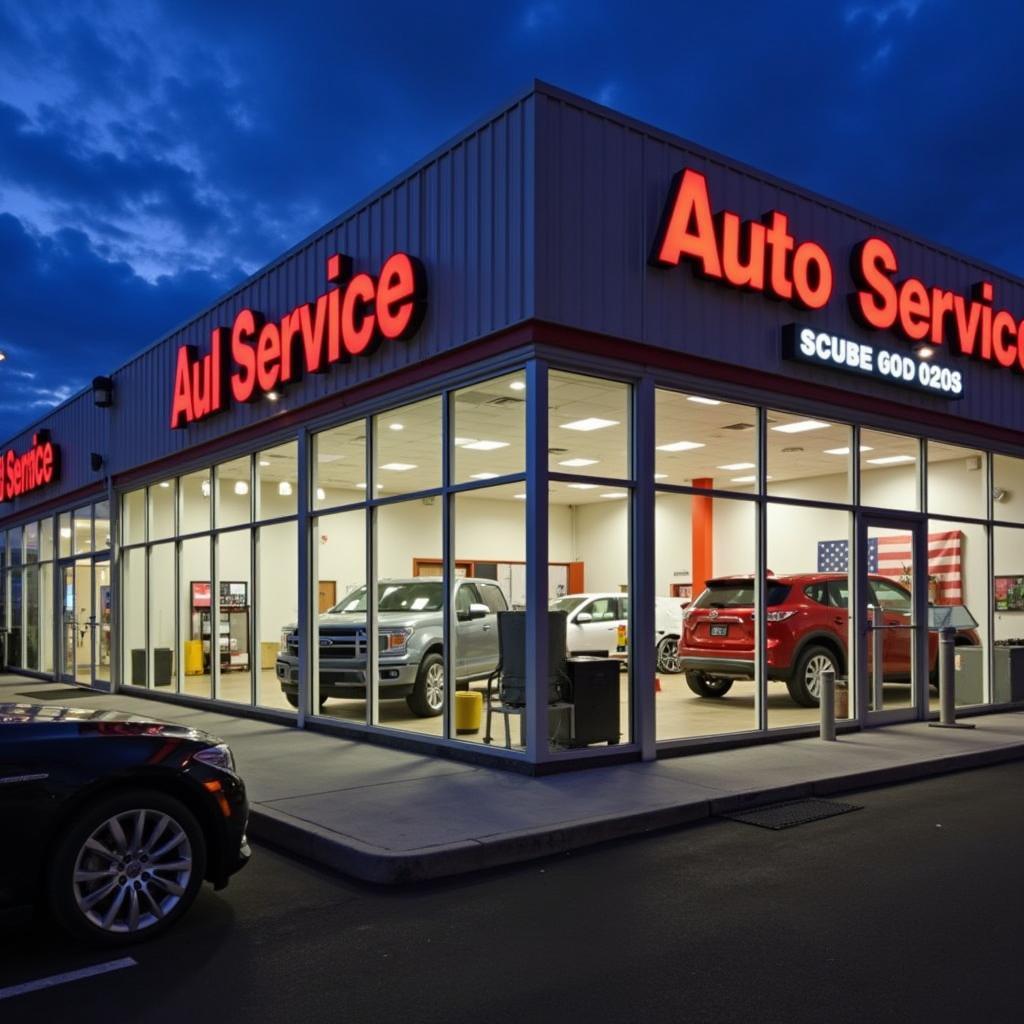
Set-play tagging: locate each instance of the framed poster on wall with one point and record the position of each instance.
(1008, 592)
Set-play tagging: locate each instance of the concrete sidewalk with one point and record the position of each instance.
(390, 816)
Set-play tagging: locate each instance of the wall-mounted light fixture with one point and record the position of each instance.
(95, 461)
(102, 392)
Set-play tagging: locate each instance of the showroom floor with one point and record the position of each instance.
(680, 713)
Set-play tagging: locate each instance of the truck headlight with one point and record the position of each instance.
(394, 641)
(285, 634)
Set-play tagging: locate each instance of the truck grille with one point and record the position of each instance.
(343, 644)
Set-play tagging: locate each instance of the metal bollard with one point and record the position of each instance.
(947, 682)
(827, 705)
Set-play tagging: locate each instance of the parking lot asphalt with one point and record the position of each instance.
(386, 815)
(908, 909)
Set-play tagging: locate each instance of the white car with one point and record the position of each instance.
(598, 623)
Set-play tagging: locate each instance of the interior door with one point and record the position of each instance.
(893, 617)
(327, 595)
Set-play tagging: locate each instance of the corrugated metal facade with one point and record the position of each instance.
(545, 211)
(603, 182)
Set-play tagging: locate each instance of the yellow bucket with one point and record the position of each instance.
(469, 705)
(193, 657)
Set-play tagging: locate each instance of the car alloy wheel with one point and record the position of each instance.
(132, 871)
(816, 667)
(434, 688)
(668, 656)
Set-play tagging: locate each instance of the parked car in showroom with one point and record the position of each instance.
(594, 622)
(112, 821)
(410, 627)
(807, 630)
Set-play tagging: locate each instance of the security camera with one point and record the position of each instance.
(998, 494)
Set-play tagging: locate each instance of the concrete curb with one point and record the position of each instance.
(350, 856)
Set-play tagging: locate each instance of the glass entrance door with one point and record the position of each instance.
(893, 606)
(86, 621)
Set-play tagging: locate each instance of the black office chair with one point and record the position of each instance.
(506, 685)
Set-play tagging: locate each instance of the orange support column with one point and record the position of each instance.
(702, 523)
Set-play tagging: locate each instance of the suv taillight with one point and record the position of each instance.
(780, 616)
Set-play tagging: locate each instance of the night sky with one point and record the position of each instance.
(154, 155)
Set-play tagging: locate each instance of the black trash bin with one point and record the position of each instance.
(138, 666)
(162, 667)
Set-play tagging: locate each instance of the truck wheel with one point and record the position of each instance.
(427, 697)
(804, 684)
(668, 655)
(701, 685)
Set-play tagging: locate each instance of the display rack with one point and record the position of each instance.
(232, 626)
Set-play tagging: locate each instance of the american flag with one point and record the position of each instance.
(891, 556)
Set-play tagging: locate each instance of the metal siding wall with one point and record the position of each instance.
(466, 213)
(604, 184)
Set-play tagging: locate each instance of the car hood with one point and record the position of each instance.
(393, 619)
(54, 719)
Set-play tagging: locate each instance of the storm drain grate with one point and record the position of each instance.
(791, 812)
(69, 693)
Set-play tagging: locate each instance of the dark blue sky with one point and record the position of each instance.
(152, 155)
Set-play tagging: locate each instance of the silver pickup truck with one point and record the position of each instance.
(410, 630)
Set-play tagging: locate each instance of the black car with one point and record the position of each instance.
(113, 820)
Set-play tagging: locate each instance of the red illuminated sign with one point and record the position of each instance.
(348, 320)
(762, 256)
(39, 466)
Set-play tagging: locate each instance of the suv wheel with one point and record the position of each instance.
(804, 684)
(668, 655)
(427, 697)
(127, 867)
(705, 687)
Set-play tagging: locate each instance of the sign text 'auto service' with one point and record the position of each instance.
(347, 320)
(763, 256)
(37, 467)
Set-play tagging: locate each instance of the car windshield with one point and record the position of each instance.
(419, 596)
(567, 604)
(738, 594)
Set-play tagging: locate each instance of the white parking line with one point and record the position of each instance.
(63, 979)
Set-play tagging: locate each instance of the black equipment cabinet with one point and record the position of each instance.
(594, 691)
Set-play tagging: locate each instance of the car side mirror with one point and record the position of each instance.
(478, 611)
(583, 618)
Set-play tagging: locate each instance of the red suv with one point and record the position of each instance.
(808, 625)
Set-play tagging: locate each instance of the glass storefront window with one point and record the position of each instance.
(489, 427)
(490, 578)
(161, 509)
(1008, 488)
(408, 448)
(277, 470)
(889, 470)
(588, 426)
(277, 604)
(234, 617)
(705, 564)
(195, 609)
(46, 539)
(809, 624)
(957, 480)
(46, 600)
(195, 498)
(339, 569)
(101, 520)
(808, 458)
(83, 530)
(64, 534)
(233, 492)
(133, 615)
(340, 465)
(163, 658)
(410, 596)
(700, 442)
(31, 543)
(31, 617)
(133, 517)
(14, 546)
